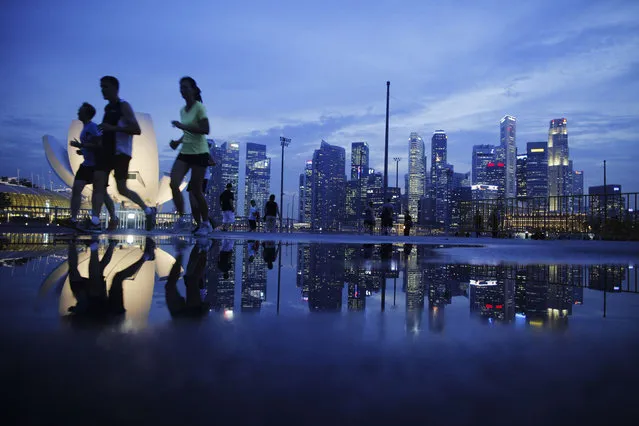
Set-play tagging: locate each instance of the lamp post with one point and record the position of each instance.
(397, 160)
(386, 143)
(284, 142)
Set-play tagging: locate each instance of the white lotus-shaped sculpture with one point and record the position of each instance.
(143, 168)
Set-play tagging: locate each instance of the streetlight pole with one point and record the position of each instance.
(293, 208)
(397, 160)
(386, 144)
(284, 142)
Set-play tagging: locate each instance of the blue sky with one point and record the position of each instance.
(314, 70)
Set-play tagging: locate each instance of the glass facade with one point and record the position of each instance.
(559, 171)
(537, 169)
(257, 182)
(328, 187)
(508, 144)
(416, 173)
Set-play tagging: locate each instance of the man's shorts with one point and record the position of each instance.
(118, 163)
(205, 183)
(228, 217)
(85, 174)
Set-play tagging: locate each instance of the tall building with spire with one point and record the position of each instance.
(257, 178)
(508, 145)
(416, 173)
(559, 170)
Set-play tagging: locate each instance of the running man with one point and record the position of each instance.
(194, 156)
(88, 145)
(118, 127)
(228, 212)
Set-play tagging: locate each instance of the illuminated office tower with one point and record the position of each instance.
(416, 173)
(559, 173)
(508, 144)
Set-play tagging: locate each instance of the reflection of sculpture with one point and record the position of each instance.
(137, 290)
(143, 169)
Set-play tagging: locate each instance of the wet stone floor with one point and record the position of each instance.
(169, 330)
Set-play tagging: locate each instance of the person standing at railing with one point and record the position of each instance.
(408, 223)
(387, 217)
(254, 217)
(271, 213)
(88, 145)
(228, 211)
(194, 156)
(369, 218)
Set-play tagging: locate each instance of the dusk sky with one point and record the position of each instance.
(312, 70)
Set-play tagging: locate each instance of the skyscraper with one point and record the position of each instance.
(440, 176)
(357, 186)
(559, 176)
(496, 176)
(328, 187)
(306, 200)
(537, 169)
(522, 164)
(578, 182)
(507, 128)
(257, 178)
(416, 172)
(482, 155)
(227, 170)
(359, 160)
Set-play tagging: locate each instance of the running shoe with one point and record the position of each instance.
(113, 224)
(204, 230)
(92, 227)
(181, 225)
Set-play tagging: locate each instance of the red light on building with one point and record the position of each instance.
(491, 164)
(500, 164)
(489, 306)
(499, 306)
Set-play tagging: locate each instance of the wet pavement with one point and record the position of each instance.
(168, 330)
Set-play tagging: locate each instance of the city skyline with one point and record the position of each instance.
(262, 91)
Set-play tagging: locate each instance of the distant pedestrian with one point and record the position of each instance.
(118, 127)
(387, 217)
(254, 217)
(88, 146)
(194, 156)
(228, 211)
(478, 221)
(369, 218)
(271, 213)
(408, 223)
(269, 253)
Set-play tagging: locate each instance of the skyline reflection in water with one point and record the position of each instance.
(131, 283)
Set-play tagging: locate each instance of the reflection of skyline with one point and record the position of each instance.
(220, 277)
(537, 295)
(253, 277)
